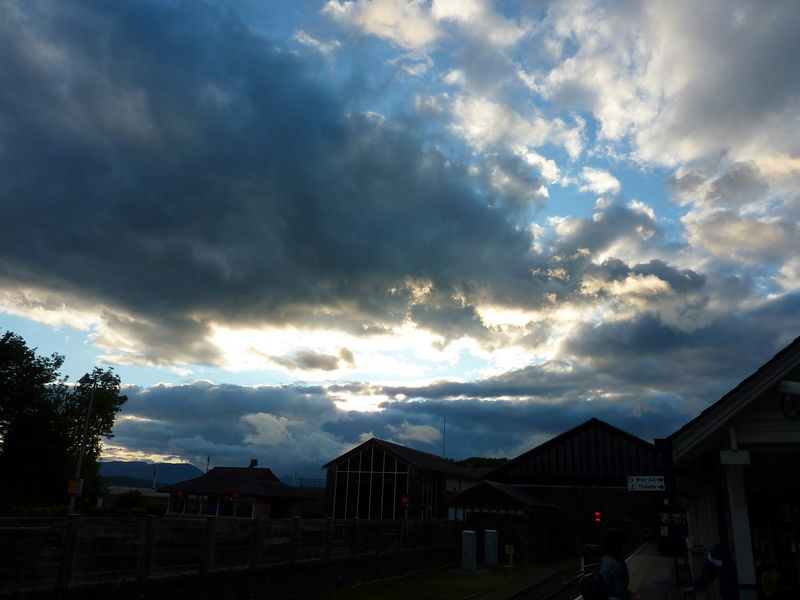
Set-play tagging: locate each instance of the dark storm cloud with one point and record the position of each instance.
(195, 173)
(741, 183)
(298, 429)
(681, 280)
(516, 183)
(738, 184)
(609, 225)
(224, 421)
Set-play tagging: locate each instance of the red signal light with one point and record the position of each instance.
(598, 517)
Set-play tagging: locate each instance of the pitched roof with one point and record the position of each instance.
(246, 481)
(521, 495)
(594, 422)
(417, 458)
(735, 401)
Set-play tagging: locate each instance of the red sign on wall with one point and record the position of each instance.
(405, 500)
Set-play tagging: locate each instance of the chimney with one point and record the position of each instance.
(253, 463)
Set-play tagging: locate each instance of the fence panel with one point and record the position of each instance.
(276, 541)
(232, 543)
(43, 553)
(30, 552)
(108, 548)
(313, 539)
(341, 540)
(178, 546)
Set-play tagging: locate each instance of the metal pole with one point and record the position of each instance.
(81, 450)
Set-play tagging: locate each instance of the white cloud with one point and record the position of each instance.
(270, 430)
(789, 276)
(778, 165)
(633, 285)
(308, 40)
(680, 79)
(480, 20)
(484, 123)
(407, 23)
(599, 181)
(732, 238)
(49, 307)
(548, 168)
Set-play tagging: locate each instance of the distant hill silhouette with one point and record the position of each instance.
(125, 481)
(140, 473)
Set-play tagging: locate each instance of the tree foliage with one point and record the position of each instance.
(25, 380)
(42, 419)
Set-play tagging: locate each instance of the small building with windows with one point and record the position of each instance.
(383, 480)
(236, 492)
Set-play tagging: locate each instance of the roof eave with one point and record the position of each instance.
(707, 423)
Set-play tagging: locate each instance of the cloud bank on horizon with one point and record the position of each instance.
(518, 215)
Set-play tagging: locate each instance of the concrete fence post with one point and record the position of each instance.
(148, 546)
(326, 550)
(400, 532)
(295, 540)
(255, 544)
(354, 548)
(71, 532)
(207, 561)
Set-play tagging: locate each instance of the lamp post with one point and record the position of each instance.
(78, 483)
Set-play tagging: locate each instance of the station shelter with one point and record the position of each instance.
(379, 479)
(737, 470)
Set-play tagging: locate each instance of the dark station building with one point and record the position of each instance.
(572, 488)
(238, 492)
(384, 480)
(737, 466)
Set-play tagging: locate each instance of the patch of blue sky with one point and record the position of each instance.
(80, 354)
(277, 20)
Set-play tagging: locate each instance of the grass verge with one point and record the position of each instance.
(449, 583)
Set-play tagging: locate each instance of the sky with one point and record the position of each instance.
(291, 226)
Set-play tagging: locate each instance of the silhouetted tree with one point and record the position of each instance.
(41, 424)
(26, 380)
(73, 405)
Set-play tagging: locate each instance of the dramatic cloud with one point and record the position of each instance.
(240, 192)
(621, 372)
(374, 213)
(730, 73)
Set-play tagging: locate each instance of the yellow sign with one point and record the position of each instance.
(509, 549)
(75, 487)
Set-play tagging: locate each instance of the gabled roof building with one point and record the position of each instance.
(594, 453)
(579, 478)
(565, 491)
(383, 480)
(248, 492)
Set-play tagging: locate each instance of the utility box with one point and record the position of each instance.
(469, 550)
(490, 545)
